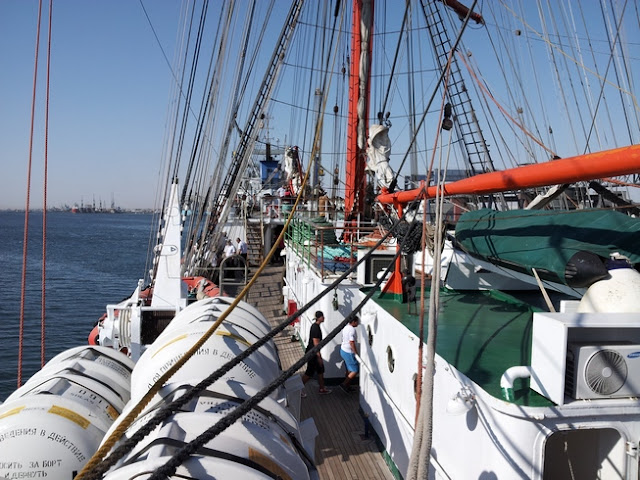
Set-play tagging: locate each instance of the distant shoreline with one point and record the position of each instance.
(83, 212)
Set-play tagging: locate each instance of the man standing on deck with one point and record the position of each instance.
(230, 263)
(315, 364)
(348, 352)
(242, 248)
(229, 249)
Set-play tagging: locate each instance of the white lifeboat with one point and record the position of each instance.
(267, 442)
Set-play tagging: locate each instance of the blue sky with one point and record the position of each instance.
(109, 91)
(110, 87)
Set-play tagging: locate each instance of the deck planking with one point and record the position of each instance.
(342, 452)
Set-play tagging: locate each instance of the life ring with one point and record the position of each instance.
(93, 336)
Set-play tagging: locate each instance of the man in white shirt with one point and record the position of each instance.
(242, 248)
(229, 249)
(229, 263)
(348, 352)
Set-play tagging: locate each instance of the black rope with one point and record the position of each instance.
(395, 61)
(408, 235)
(169, 468)
(165, 412)
(210, 452)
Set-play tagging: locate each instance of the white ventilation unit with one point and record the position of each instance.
(602, 371)
(376, 265)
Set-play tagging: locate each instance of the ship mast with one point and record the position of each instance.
(359, 86)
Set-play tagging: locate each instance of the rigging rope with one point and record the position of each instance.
(561, 81)
(25, 241)
(600, 97)
(522, 96)
(421, 449)
(502, 109)
(213, 188)
(395, 57)
(414, 135)
(554, 47)
(43, 294)
(421, 319)
(190, 86)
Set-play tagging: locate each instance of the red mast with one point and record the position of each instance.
(359, 85)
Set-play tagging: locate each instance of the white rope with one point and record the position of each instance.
(421, 450)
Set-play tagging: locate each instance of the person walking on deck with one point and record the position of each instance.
(348, 352)
(315, 363)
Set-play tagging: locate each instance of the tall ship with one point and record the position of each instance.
(462, 179)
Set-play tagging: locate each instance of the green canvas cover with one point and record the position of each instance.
(546, 240)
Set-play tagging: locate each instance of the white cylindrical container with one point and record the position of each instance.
(240, 330)
(210, 309)
(258, 445)
(88, 369)
(619, 293)
(47, 436)
(54, 423)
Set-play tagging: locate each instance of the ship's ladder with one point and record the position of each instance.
(473, 145)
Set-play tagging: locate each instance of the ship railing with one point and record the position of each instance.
(320, 245)
(234, 272)
(279, 208)
(275, 208)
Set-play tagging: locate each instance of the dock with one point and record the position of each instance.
(342, 450)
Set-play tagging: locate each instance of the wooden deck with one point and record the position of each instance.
(342, 452)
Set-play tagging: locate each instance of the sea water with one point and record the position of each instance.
(92, 259)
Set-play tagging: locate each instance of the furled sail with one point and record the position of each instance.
(378, 153)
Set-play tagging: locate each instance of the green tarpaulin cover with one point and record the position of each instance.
(545, 240)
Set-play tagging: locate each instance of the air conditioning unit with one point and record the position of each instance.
(602, 371)
(377, 264)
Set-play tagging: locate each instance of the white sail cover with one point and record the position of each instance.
(378, 153)
(292, 170)
(366, 18)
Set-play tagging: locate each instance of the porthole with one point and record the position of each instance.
(370, 335)
(391, 362)
(415, 386)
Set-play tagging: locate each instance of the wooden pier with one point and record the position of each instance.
(342, 451)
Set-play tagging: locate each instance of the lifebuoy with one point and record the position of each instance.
(93, 336)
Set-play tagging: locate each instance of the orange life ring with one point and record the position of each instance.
(93, 336)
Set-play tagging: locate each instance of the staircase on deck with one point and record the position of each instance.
(255, 242)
